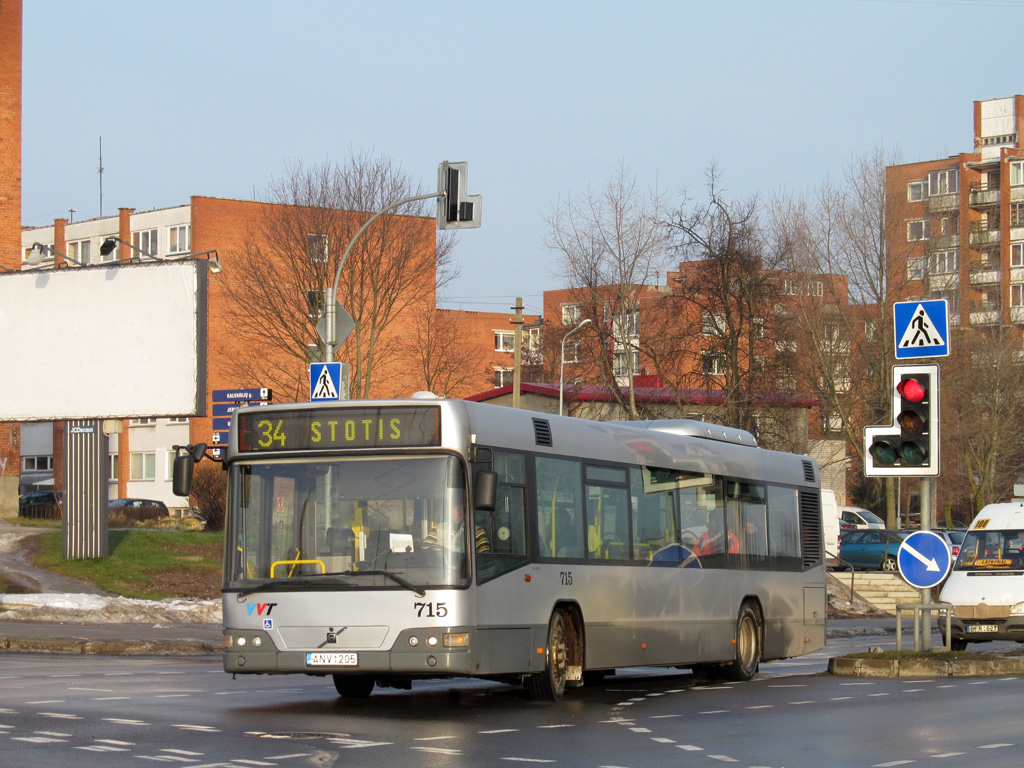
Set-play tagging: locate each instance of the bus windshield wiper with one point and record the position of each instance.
(401, 581)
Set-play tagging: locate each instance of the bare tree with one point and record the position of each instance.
(440, 355)
(306, 221)
(851, 230)
(612, 243)
(982, 418)
(729, 293)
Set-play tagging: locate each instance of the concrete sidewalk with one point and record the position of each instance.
(110, 639)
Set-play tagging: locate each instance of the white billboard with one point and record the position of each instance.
(105, 341)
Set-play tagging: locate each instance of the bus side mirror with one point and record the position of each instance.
(485, 490)
(182, 479)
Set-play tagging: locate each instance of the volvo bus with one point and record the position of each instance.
(379, 543)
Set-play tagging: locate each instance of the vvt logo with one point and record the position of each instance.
(260, 609)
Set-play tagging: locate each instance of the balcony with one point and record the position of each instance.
(981, 196)
(983, 238)
(985, 272)
(1017, 317)
(943, 282)
(942, 203)
(1017, 194)
(944, 242)
(985, 312)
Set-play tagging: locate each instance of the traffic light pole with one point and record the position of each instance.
(331, 343)
(926, 594)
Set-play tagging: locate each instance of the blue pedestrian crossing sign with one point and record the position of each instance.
(324, 382)
(922, 328)
(924, 559)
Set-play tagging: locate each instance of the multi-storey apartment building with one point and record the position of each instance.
(958, 222)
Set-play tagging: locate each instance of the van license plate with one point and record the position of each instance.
(982, 628)
(332, 659)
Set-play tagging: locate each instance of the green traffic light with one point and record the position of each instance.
(913, 453)
(884, 452)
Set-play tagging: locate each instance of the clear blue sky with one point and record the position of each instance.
(214, 97)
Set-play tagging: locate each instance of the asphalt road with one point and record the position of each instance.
(109, 711)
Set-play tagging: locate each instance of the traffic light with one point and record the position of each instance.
(910, 445)
(455, 208)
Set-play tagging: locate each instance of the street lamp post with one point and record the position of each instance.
(561, 367)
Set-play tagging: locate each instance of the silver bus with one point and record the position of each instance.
(381, 542)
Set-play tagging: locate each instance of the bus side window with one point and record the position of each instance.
(559, 507)
(653, 519)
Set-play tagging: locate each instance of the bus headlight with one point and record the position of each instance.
(456, 639)
(1017, 610)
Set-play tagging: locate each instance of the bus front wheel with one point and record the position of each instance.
(549, 683)
(353, 687)
(748, 645)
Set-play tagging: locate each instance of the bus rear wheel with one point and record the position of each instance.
(353, 687)
(748, 645)
(549, 684)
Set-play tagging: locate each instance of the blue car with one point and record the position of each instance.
(872, 549)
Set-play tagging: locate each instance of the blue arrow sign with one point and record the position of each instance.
(924, 559)
(922, 328)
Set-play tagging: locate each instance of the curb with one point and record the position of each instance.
(925, 667)
(80, 646)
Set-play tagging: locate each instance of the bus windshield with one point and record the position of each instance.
(991, 550)
(361, 523)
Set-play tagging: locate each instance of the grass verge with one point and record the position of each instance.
(144, 563)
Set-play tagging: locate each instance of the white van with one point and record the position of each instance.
(986, 585)
(830, 527)
(858, 517)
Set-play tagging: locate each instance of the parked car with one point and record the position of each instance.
(858, 517)
(139, 509)
(45, 505)
(871, 548)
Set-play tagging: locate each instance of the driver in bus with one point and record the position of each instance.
(715, 540)
(454, 537)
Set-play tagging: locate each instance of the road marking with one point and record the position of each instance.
(103, 748)
(39, 740)
(690, 747)
(204, 728)
(640, 729)
(526, 760)
(558, 725)
(893, 763)
(60, 716)
(125, 721)
(439, 750)
(950, 754)
(714, 712)
(723, 758)
(994, 746)
(499, 730)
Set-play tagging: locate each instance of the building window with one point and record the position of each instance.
(791, 287)
(626, 362)
(943, 182)
(142, 422)
(504, 341)
(1017, 173)
(1017, 255)
(571, 314)
(1017, 214)
(948, 225)
(831, 423)
(627, 324)
(316, 248)
(36, 463)
(113, 467)
(1017, 294)
(712, 324)
(915, 268)
(502, 377)
(572, 352)
(179, 239)
(143, 466)
(917, 230)
(712, 364)
(81, 251)
(147, 242)
(944, 262)
(915, 191)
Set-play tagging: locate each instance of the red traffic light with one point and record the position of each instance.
(912, 389)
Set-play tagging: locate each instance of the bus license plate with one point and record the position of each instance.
(332, 659)
(972, 628)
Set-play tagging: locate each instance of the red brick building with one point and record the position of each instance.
(10, 210)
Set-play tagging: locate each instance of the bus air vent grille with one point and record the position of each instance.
(808, 471)
(542, 432)
(810, 528)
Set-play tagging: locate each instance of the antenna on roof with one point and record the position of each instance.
(100, 172)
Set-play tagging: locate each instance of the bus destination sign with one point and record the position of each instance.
(332, 428)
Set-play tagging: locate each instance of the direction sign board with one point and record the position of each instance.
(923, 559)
(922, 328)
(241, 395)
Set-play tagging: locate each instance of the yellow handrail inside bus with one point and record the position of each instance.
(293, 563)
